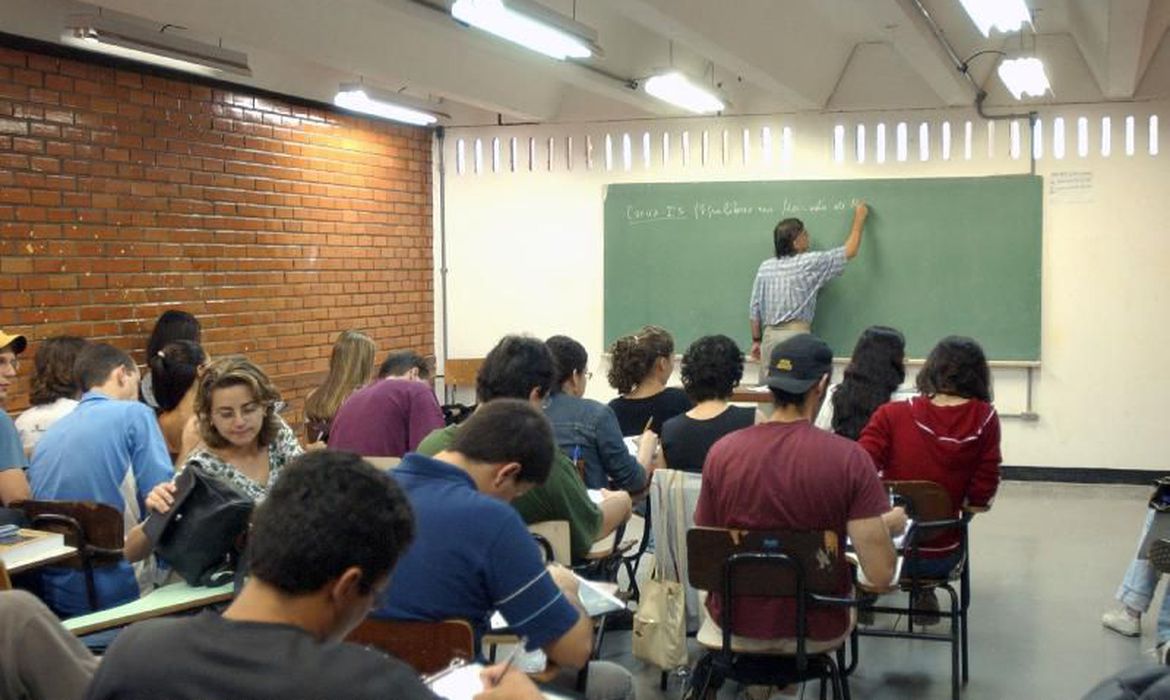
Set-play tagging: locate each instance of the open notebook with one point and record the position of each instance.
(463, 680)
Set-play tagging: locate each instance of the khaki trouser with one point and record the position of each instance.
(773, 336)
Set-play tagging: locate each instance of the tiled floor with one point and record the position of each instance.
(1047, 560)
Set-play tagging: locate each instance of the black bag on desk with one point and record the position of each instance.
(200, 537)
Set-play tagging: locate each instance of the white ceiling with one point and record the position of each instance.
(768, 56)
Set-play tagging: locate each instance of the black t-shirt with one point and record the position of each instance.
(632, 414)
(206, 656)
(685, 441)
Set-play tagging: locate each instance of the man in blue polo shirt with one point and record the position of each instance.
(109, 450)
(13, 483)
(473, 555)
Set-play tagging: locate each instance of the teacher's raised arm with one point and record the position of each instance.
(784, 294)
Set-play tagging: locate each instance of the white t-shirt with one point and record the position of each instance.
(33, 423)
(825, 417)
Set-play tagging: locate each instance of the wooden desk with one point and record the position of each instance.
(172, 598)
(43, 559)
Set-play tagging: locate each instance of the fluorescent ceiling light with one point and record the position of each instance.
(400, 108)
(1004, 15)
(148, 45)
(1024, 76)
(680, 92)
(530, 25)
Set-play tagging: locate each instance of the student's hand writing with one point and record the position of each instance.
(895, 520)
(647, 446)
(161, 497)
(501, 682)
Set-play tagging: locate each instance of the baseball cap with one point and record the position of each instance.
(18, 342)
(798, 363)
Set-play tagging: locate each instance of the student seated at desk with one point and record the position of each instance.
(640, 365)
(785, 474)
(587, 430)
(520, 367)
(711, 369)
(110, 450)
(13, 483)
(54, 390)
(473, 555)
(391, 416)
(351, 367)
(321, 550)
(949, 434)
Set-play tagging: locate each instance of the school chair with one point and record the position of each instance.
(384, 463)
(97, 530)
(554, 540)
(929, 505)
(806, 567)
(5, 581)
(428, 647)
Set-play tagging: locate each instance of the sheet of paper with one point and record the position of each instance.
(461, 683)
(596, 599)
(595, 495)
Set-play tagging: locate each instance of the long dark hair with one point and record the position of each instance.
(876, 369)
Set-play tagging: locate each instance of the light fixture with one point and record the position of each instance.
(530, 25)
(675, 89)
(396, 106)
(149, 45)
(1024, 76)
(1004, 15)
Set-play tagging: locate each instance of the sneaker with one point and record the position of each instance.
(1162, 653)
(1122, 623)
(1160, 556)
(925, 605)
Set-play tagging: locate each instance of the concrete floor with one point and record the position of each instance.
(1047, 560)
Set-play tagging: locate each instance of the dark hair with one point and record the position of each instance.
(569, 356)
(515, 366)
(400, 362)
(633, 356)
(956, 366)
(509, 430)
(96, 361)
(53, 376)
(236, 370)
(328, 511)
(784, 237)
(173, 370)
(174, 324)
(711, 368)
(875, 370)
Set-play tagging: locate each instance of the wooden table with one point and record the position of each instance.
(45, 558)
(169, 599)
(751, 394)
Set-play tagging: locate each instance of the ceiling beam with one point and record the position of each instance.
(1112, 36)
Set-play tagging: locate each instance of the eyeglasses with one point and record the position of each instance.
(14, 363)
(587, 374)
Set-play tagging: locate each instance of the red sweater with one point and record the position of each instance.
(956, 447)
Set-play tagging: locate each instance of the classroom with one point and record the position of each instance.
(249, 163)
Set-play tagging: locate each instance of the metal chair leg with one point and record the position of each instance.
(955, 626)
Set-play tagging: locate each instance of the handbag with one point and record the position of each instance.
(201, 536)
(660, 623)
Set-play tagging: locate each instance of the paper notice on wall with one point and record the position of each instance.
(1070, 187)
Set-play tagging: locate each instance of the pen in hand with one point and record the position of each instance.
(516, 651)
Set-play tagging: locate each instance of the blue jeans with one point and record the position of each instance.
(1137, 588)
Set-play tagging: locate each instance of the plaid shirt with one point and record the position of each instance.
(786, 288)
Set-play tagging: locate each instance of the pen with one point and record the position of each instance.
(649, 422)
(520, 644)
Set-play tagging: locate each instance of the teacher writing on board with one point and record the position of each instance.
(784, 295)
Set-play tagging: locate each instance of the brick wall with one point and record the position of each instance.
(123, 194)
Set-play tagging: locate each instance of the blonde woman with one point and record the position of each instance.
(351, 366)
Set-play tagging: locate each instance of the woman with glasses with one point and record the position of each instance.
(587, 430)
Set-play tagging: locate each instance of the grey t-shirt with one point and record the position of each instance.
(207, 656)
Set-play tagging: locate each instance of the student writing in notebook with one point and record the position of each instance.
(321, 549)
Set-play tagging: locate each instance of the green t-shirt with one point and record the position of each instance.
(562, 497)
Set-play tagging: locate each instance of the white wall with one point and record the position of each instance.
(524, 248)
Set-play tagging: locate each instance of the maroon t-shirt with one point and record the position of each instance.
(386, 419)
(787, 476)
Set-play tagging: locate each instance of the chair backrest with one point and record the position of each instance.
(97, 528)
(926, 501)
(427, 646)
(556, 533)
(819, 555)
(5, 582)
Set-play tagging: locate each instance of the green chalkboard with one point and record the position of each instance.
(939, 256)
